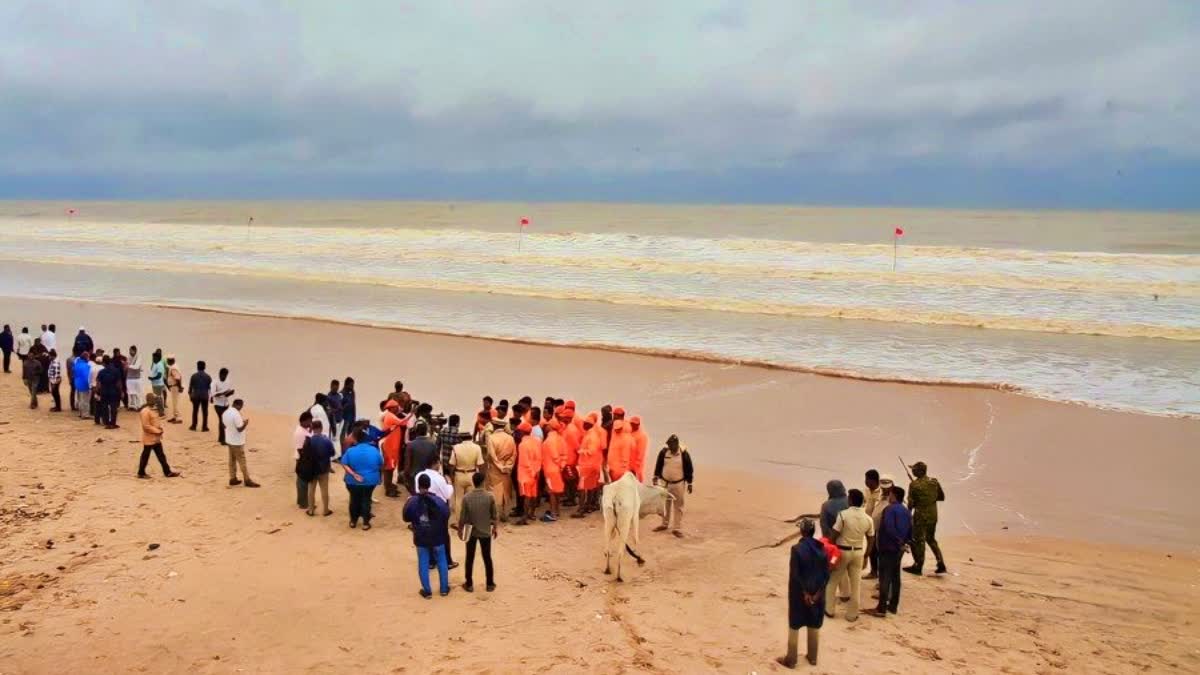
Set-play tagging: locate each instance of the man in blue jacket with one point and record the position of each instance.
(895, 532)
(81, 376)
(430, 516)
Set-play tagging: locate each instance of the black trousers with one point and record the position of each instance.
(485, 545)
(108, 410)
(889, 580)
(220, 410)
(71, 400)
(56, 395)
(157, 449)
(7, 360)
(197, 407)
(360, 502)
(446, 543)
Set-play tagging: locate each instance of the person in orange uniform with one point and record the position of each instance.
(392, 425)
(573, 435)
(637, 458)
(554, 458)
(529, 469)
(484, 417)
(620, 446)
(591, 459)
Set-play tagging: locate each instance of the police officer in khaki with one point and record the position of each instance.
(465, 460)
(852, 533)
(924, 493)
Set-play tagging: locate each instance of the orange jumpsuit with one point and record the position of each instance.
(554, 457)
(529, 465)
(391, 444)
(591, 458)
(620, 449)
(637, 459)
(573, 435)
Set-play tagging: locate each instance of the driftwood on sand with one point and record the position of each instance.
(790, 537)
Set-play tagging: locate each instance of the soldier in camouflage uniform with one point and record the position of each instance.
(923, 495)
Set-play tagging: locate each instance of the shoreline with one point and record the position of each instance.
(1009, 462)
(683, 354)
(882, 315)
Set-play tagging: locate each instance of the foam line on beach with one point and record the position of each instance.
(906, 315)
(691, 355)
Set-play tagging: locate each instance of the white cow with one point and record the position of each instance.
(625, 502)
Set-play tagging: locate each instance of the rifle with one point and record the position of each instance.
(905, 465)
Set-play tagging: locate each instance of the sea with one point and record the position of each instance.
(1095, 308)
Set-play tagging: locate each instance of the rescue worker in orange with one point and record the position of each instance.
(591, 459)
(637, 458)
(573, 435)
(554, 458)
(620, 446)
(483, 417)
(391, 446)
(529, 469)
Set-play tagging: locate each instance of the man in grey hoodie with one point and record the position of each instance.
(836, 503)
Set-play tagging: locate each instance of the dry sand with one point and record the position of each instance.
(244, 581)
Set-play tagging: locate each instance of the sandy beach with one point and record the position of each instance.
(1061, 562)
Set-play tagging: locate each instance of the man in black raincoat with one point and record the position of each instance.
(806, 593)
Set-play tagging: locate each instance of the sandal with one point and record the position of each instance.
(328, 512)
(311, 513)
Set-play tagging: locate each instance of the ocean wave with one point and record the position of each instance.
(732, 258)
(908, 315)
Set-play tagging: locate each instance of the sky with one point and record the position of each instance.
(1019, 103)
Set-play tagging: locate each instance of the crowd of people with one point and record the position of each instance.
(505, 466)
(510, 461)
(875, 526)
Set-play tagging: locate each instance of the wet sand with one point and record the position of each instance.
(244, 581)
(1009, 463)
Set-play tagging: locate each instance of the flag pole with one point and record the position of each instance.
(895, 248)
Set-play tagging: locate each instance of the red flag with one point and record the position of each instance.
(524, 222)
(899, 231)
(71, 211)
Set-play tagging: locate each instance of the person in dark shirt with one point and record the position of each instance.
(6, 346)
(198, 391)
(109, 381)
(31, 373)
(349, 406)
(895, 532)
(315, 465)
(807, 577)
(429, 516)
(420, 450)
(83, 342)
(334, 404)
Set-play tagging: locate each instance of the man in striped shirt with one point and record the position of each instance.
(54, 373)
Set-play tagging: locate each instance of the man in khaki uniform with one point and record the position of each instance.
(501, 457)
(874, 495)
(174, 388)
(673, 470)
(466, 459)
(852, 532)
(885, 486)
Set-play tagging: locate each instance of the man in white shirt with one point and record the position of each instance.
(439, 486)
(24, 343)
(49, 339)
(299, 436)
(235, 440)
(221, 392)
